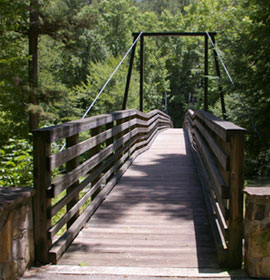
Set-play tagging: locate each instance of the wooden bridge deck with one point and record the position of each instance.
(154, 217)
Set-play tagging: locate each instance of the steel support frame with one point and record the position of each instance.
(168, 34)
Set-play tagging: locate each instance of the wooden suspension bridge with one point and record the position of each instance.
(136, 192)
(160, 211)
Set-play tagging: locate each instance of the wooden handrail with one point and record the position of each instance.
(87, 169)
(218, 146)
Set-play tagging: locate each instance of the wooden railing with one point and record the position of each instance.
(71, 184)
(218, 149)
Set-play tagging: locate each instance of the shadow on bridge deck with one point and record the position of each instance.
(155, 217)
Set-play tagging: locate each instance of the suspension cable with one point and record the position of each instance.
(220, 58)
(98, 95)
(124, 57)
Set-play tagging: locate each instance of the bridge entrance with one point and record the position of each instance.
(157, 207)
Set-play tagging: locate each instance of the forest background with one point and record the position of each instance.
(56, 55)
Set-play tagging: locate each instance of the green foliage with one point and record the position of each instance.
(80, 44)
(112, 97)
(158, 6)
(13, 70)
(16, 164)
(251, 68)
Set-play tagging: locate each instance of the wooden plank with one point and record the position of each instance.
(93, 189)
(54, 133)
(172, 238)
(196, 219)
(221, 127)
(218, 237)
(90, 178)
(219, 184)
(147, 229)
(145, 262)
(72, 211)
(61, 183)
(219, 215)
(82, 147)
(214, 146)
(134, 256)
(96, 248)
(64, 241)
(71, 165)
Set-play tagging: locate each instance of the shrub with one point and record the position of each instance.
(16, 164)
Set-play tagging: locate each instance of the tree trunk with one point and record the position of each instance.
(33, 63)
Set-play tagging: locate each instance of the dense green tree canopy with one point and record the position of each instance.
(56, 55)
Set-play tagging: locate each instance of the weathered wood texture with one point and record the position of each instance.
(154, 217)
(87, 170)
(218, 147)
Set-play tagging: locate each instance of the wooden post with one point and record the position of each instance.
(235, 233)
(72, 164)
(129, 75)
(96, 150)
(141, 73)
(108, 143)
(41, 203)
(206, 72)
(223, 109)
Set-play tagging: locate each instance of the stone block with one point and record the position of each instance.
(257, 232)
(16, 232)
(249, 211)
(6, 239)
(260, 212)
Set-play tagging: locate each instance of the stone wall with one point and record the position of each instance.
(16, 232)
(257, 232)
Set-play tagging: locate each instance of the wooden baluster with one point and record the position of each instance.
(94, 151)
(72, 164)
(108, 143)
(119, 135)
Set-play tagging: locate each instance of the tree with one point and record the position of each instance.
(159, 6)
(112, 97)
(250, 106)
(13, 70)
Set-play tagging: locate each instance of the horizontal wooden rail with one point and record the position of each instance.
(218, 146)
(71, 184)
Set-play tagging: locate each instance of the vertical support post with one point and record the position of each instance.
(41, 203)
(129, 75)
(141, 73)
(72, 164)
(108, 143)
(206, 72)
(223, 109)
(96, 150)
(235, 233)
